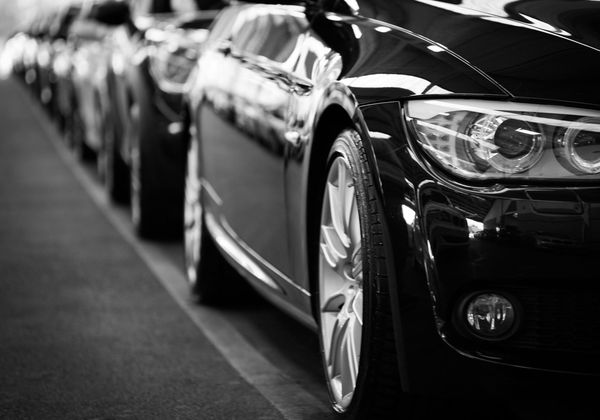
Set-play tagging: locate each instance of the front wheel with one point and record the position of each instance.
(76, 138)
(212, 280)
(155, 178)
(116, 173)
(356, 332)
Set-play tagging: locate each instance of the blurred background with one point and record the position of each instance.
(14, 13)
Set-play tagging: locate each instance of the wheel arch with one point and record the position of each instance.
(335, 117)
(333, 120)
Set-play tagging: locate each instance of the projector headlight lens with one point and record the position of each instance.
(579, 147)
(483, 140)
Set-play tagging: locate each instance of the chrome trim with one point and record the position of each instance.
(204, 184)
(223, 227)
(231, 248)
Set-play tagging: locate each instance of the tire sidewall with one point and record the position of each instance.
(347, 145)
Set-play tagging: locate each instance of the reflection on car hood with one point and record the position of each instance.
(575, 20)
(547, 50)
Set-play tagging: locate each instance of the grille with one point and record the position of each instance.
(558, 321)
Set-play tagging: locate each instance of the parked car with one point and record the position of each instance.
(11, 56)
(90, 53)
(143, 156)
(63, 101)
(54, 60)
(418, 181)
(28, 61)
(43, 57)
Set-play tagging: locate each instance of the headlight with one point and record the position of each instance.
(173, 56)
(484, 140)
(171, 69)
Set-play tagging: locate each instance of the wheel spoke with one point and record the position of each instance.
(335, 302)
(351, 348)
(337, 204)
(333, 244)
(336, 355)
(329, 258)
(345, 352)
(357, 307)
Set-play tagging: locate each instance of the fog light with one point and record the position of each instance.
(490, 315)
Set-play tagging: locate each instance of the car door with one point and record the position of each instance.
(242, 126)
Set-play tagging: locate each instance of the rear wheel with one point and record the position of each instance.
(146, 200)
(112, 168)
(156, 200)
(356, 332)
(78, 139)
(211, 279)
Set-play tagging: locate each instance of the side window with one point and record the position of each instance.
(184, 6)
(250, 35)
(282, 41)
(270, 34)
(148, 7)
(222, 26)
(313, 48)
(307, 63)
(139, 7)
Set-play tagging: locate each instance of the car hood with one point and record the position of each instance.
(540, 50)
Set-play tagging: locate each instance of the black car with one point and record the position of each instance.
(83, 77)
(142, 159)
(51, 46)
(417, 180)
(57, 74)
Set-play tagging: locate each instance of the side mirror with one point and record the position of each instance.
(111, 12)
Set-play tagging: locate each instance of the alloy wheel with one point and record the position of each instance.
(192, 215)
(341, 283)
(135, 157)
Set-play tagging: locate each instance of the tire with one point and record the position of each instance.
(69, 134)
(354, 314)
(212, 280)
(144, 212)
(77, 139)
(156, 210)
(114, 171)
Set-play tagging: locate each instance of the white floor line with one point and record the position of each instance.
(288, 397)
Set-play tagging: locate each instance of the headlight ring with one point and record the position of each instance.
(579, 148)
(478, 139)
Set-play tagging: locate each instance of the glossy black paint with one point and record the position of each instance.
(534, 243)
(265, 120)
(534, 49)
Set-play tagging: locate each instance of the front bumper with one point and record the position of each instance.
(537, 244)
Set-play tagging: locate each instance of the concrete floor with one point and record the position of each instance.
(85, 331)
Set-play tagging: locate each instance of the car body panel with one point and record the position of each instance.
(533, 242)
(244, 115)
(518, 45)
(448, 238)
